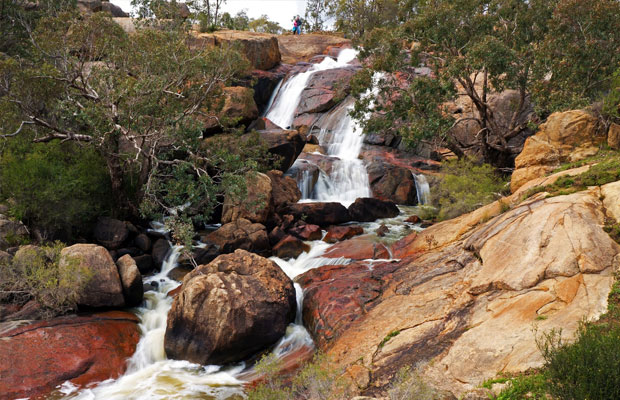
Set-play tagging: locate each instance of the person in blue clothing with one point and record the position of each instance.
(297, 25)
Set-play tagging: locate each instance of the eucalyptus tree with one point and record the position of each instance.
(139, 100)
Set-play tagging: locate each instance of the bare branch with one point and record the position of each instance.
(18, 129)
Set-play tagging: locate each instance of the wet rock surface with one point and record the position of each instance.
(229, 309)
(369, 209)
(322, 214)
(37, 357)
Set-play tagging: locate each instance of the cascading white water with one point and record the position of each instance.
(422, 188)
(282, 111)
(342, 137)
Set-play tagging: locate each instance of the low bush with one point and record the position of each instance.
(56, 188)
(529, 386)
(465, 186)
(36, 273)
(319, 379)
(408, 385)
(588, 368)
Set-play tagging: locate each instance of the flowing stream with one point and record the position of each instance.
(150, 375)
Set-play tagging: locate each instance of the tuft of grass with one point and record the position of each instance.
(388, 337)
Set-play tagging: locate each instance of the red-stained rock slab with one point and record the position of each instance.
(359, 248)
(37, 357)
(337, 295)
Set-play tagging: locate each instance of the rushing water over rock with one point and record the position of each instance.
(343, 139)
(423, 189)
(282, 111)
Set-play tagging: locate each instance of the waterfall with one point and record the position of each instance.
(422, 188)
(282, 111)
(342, 137)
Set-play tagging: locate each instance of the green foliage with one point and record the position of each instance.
(36, 272)
(140, 101)
(53, 187)
(316, 15)
(465, 186)
(611, 102)
(355, 17)
(264, 25)
(588, 368)
(239, 22)
(408, 384)
(476, 47)
(578, 56)
(317, 380)
(529, 386)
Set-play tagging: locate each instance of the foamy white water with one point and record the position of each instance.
(282, 111)
(422, 188)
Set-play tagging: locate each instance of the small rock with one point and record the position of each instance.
(290, 247)
(340, 233)
(307, 232)
(382, 230)
(414, 219)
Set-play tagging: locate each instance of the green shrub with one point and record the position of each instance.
(36, 273)
(57, 188)
(465, 186)
(588, 368)
(531, 386)
(319, 379)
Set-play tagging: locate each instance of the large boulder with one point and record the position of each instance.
(303, 47)
(35, 358)
(12, 233)
(565, 137)
(131, 279)
(254, 205)
(229, 309)
(111, 233)
(284, 189)
(322, 214)
(239, 106)
(286, 144)
(393, 183)
(468, 292)
(104, 288)
(261, 49)
(240, 234)
(367, 209)
(324, 89)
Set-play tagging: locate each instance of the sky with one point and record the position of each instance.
(280, 11)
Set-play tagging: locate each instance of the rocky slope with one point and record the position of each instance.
(466, 296)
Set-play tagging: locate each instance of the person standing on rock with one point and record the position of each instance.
(297, 25)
